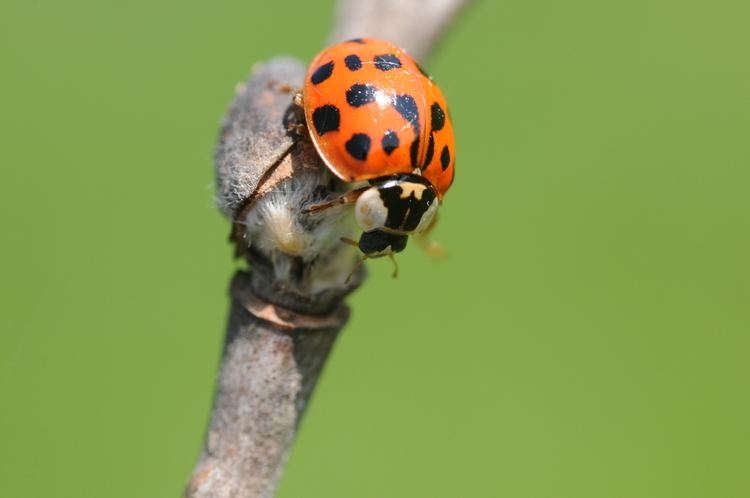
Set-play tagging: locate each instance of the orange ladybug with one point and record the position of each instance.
(374, 115)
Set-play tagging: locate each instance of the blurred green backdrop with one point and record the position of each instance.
(586, 337)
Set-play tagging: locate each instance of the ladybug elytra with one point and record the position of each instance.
(375, 116)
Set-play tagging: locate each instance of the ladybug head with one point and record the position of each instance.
(393, 208)
(378, 243)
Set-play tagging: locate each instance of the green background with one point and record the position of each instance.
(587, 335)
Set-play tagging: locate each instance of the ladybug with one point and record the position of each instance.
(375, 116)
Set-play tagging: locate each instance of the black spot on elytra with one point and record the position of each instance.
(377, 241)
(359, 95)
(386, 62)
(430, 151)
(414, 151)
(405, 213)
(389, 141)
(407, 107)
(445, 158)
(353, 62)
(438, 117)
(322, 73)
(358, 146)
(361, 41)
(326, 118)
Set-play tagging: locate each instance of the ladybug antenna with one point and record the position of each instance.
(356, 267)
(395, 265)
(347, 240)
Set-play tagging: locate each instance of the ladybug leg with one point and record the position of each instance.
(284, 87)
(434, 249)
(298, 128)
(356, 267)
(297, 98)
(287, 88)
(294, 118)
(354, 243)
(348, 198)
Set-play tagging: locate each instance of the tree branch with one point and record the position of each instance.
(415, 25)
(287, 309)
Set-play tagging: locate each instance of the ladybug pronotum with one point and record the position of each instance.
(374, 116)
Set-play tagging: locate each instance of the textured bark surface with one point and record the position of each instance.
(288, 309)
(285, 314)
(253, 138)
(266, 379)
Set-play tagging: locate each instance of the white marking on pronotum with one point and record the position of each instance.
(408, 188)
(370, 211)
(427, 217)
